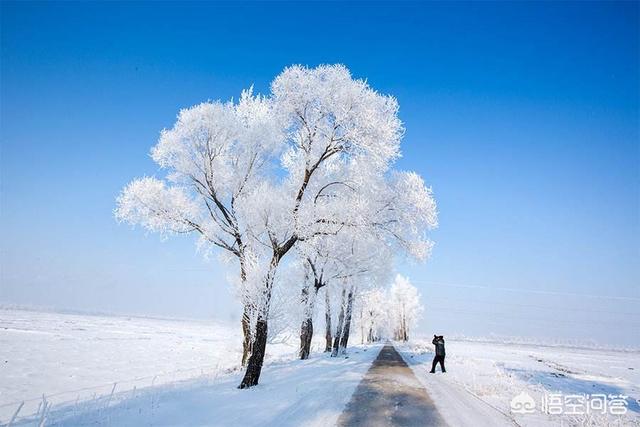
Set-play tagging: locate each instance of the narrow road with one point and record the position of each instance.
(390, 395)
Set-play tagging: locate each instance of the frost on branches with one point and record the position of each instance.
(302, 176)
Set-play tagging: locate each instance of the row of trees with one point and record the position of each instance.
(300, 180)
(390, 312)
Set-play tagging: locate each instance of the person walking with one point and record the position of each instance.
(438, 341)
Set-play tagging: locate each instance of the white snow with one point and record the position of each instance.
(167, 372)
(292, 393)
(179, 372)
(66, 356)
(483, 377)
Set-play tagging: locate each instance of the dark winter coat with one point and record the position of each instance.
(439, 343)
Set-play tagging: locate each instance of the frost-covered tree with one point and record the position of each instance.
(405, 307)
(364, 263)
(216, 155)
(338, 260)
(390, 311)
(291, 172)
(336, 126)
(315, 279)
(394, 212)
(374, 315)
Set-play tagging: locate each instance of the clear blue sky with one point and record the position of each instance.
(524, 117)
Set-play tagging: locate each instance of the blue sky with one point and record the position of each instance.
(524, 118)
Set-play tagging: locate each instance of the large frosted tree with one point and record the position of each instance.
(336, 125)
(215, 157)
(258, 178)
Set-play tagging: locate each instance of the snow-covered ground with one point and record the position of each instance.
(292, 392)
(482, 379)
(165, 372)
(178, 372)
(68, 356)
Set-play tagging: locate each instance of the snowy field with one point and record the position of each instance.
(165, 372)
(173, 372)
(482, 379)
(68, 357)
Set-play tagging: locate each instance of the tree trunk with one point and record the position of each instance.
(246, 319)
(306, 333)
(347, 323)
(306, 329)
(327, 319)
(338, 335)
(254, 367)
(405, 337)
(259, 343)
(246, 343)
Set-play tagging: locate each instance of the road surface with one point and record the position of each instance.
(390, 395)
